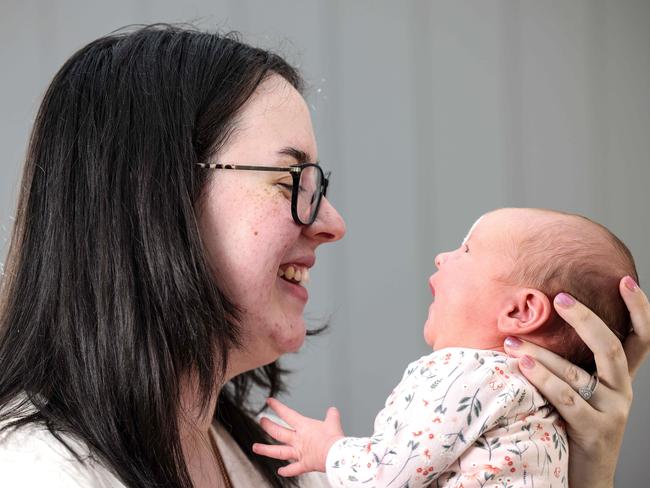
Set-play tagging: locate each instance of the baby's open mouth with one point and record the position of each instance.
(294, 273)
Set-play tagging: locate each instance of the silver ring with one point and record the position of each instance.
(587, 391)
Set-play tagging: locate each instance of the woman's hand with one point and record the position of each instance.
(305, 444)
(595, 427)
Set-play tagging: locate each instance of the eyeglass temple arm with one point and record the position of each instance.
(292, 169)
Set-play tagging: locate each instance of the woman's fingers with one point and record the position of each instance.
(568, 372)
(277, 431)
(637, 344)
(570, 405)
(565, 371)
(284, 453)
(609, 355)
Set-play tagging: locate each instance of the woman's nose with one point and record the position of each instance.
(329, 226)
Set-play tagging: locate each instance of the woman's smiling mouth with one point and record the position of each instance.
(294, 273)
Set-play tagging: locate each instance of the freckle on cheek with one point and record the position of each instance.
(255, 233)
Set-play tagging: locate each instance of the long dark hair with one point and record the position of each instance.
(108, 301)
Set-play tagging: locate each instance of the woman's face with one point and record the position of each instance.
(248, 231)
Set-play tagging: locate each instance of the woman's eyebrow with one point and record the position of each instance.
(300, 156)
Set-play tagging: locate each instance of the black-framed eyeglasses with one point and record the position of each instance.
(308, 189)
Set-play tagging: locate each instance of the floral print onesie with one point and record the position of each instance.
(462, 418)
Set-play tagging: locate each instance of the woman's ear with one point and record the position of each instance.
(524, 312)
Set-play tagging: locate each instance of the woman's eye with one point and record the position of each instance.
(287, 188)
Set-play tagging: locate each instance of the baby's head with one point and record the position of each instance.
(502, 279)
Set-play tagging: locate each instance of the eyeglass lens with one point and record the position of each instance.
(309, 193)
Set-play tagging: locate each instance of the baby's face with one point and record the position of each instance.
(468, 288)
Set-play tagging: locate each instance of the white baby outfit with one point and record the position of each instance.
(462, 418)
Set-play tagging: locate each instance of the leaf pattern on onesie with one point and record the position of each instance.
(462, 418)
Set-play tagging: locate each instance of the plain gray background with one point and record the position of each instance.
(429, 113)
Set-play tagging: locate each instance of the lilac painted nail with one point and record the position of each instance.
(527, 362)
(565, 300)
(513, 342)
(630, 283)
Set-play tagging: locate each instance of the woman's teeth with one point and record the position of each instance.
(296, 274)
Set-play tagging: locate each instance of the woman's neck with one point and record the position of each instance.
(194, 429)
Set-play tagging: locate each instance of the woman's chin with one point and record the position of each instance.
(291, 338)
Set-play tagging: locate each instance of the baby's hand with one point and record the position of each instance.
(306, 443)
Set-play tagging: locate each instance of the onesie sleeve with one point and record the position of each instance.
(439, 409)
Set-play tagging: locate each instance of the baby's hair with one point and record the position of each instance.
(573, 254)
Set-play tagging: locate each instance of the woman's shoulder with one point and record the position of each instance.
(32, 456)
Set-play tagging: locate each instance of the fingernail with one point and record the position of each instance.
(527, 362)
(513, 342)
(630, 284)
(565, 300)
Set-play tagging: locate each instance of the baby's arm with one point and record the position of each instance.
(306, 443)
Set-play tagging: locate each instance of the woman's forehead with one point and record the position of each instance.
(275, 119)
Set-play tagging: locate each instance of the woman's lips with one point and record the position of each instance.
(296, 290)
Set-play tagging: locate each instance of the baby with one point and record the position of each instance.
(464, 416)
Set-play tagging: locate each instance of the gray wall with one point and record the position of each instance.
(429, 113)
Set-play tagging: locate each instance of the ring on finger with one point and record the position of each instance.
(587, 391)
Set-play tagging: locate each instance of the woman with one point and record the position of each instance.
(152, 280)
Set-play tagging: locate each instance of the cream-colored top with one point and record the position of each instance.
(31, 457)
(241, 471)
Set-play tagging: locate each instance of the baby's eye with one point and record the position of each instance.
(465, 248)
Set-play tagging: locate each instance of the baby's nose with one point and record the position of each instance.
(440, 258)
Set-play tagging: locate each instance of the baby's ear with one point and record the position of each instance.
(525, 311)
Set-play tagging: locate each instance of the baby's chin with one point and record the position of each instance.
(429, 334)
